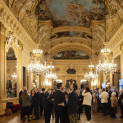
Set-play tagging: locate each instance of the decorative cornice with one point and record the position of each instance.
(12, 24)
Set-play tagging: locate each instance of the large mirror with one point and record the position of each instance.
(11, 74)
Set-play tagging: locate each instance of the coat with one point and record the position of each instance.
(72, 105)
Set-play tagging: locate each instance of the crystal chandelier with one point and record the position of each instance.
(83, 81)
(51, 76)
(14, 76)
(35, 66)
(50, 66)
(59, 81)
(91, 75)
(106, 66)
(37, 51)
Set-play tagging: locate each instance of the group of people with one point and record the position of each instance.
(66, 105)
(108, 99)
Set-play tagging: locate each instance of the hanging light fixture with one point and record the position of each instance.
(91, 75)
(51, 76)
(106, 66)
(36, 66)
(38, 51)
(14, 76)
(59, 81)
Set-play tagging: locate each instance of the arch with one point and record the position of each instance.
(67, 46)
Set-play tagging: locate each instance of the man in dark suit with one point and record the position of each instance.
(59, 97)
(41, 101)
(36, 103)
(20, 100)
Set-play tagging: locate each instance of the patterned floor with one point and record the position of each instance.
(96, 118)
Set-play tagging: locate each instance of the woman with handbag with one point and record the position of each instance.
(114, 104)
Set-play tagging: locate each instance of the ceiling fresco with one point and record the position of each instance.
(71, 12)
(73, 54)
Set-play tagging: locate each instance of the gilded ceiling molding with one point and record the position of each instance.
(68, 46)
(70, 29)
(71, 39)
(13, 25)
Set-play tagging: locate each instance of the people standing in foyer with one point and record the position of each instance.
(59, 97)
(87, 103)
(104, 100)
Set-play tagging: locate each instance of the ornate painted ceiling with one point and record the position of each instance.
(68, 23)
(71, 12)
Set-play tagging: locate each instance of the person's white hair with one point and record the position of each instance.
(113, 94)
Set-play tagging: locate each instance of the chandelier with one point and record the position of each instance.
(106, 66)
(59, 81)
(37, 51)
(14, 76)
(83, 81)
(35, 66)
(91, 75)
(50, 66)
(51, 76)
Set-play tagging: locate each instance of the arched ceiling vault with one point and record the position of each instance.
(25, 11)
(67, 46)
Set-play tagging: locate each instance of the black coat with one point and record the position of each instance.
(59, 97)
(36, 99)
(41, 99)
(121, 98)
(72, 105)
(47, 104)
(80, 102)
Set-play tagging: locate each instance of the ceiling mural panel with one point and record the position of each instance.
(73, 54)
(71, 12)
